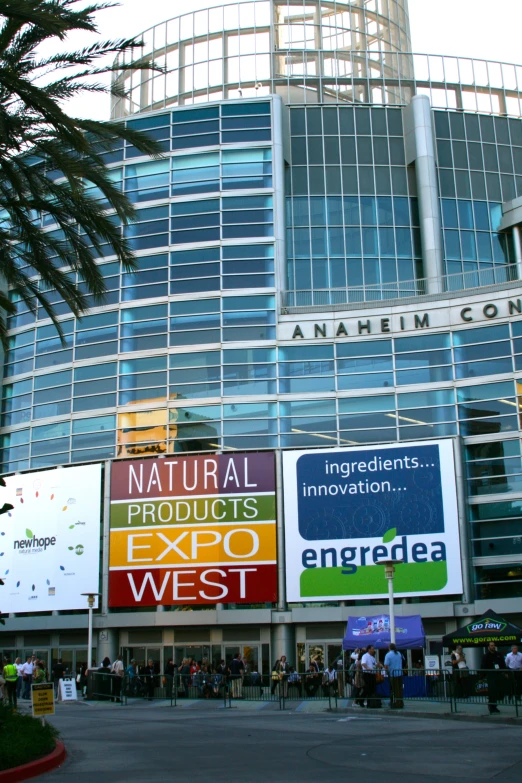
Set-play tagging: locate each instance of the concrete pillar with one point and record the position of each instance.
(106, 537)
(421, 150)
(282, 642)
(108, 644)
(517, 242)
(473, 654)
(281, 573)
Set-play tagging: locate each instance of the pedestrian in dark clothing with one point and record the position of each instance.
(237, 670)
(170, 671)
(58, 672)
(493, 662)
(149, 673)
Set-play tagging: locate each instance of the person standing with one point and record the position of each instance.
(170, 671)
(150, 673)
(237, 669)
(58, 672)
(514, 664)
(10, 674)
(20, 681)
(27, 674)
(283, 670)
(117, 678)
(493, 663)
(369, 665)
(460, 672)
(393, 665)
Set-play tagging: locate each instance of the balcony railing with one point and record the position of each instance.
(434, 288)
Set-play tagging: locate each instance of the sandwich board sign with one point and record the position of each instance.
(42, 697)
(67, 690)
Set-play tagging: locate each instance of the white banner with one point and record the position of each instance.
(348, 510)
(50, 541)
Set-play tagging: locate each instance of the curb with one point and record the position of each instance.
(35, 768)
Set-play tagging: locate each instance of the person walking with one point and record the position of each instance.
(10, 675)
(493, 663)
(237, 670)
(393, 665)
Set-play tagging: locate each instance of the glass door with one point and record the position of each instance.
(315, 654)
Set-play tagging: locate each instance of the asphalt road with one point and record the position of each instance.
(145, 744)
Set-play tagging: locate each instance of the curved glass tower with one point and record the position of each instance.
(328, 257)
(306, 52)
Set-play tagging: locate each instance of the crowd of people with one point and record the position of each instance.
(503, 674)
(17, 677)
(357, 678)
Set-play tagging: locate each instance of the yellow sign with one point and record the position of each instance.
(43, 699)
(187, 544)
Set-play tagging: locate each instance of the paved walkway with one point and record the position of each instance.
(414, 708)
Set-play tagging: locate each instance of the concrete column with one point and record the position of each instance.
(281, 573)
(517, 242)
(108, 644)
(420, 149)
(282, 642)
(106, 537)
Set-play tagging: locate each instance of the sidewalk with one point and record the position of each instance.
(415, 708)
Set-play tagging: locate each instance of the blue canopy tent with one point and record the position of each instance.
(409, 633)
(362, 631)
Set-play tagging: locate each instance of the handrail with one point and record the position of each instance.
(306, 300)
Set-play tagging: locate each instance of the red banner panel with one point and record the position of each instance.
(254, 583)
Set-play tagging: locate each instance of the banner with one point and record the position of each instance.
(348, 510)
(193, 530)
(50, 541)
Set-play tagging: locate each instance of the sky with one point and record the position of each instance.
(468, 28)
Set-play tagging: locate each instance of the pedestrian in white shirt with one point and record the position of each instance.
(514, 659)
(27, 675)
(514, 662)
(369, 666)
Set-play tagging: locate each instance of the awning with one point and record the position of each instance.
(362, 631)
(491, 627)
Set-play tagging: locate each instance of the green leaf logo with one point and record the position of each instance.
(389, 535)
(71, 527)
(70, 547)
(28, 533)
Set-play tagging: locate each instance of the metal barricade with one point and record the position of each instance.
(105, 686)
(151, 687)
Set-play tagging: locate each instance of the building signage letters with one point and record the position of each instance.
(356, 327)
